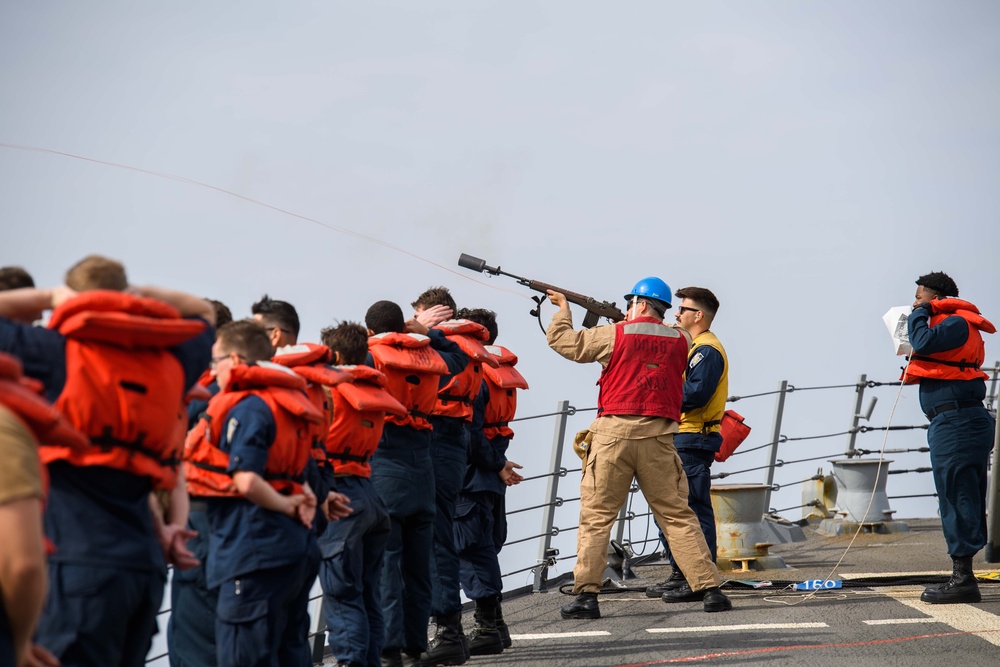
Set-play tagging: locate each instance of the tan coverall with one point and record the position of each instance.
(623, 447)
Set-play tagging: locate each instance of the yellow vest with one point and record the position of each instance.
(693, 421)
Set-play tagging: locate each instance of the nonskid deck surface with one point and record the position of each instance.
(880, 625)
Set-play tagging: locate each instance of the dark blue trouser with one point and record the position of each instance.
(697, 464)
(404, 479)
(351, 574)
(450, 453)
(100, 615)
(479, 534)
(6, 641)
(262, 618)
(191, 629)
(960, 442)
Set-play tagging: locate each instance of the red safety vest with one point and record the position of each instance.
(360, 404)
(455, 398)
(502, 381)
(412, 371)
(645, 376)
(124, 389)
(295, 417)
(961, 363)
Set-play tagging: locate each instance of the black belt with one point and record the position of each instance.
(347, 456)
(199, 505)
(952, 405)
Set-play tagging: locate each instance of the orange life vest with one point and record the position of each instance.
(412, 370)
(310, 361)
(124, 389)
(20, 395)
(360, 404)
(455, 398)
(295, 417)
(502, 381)
(961, 363)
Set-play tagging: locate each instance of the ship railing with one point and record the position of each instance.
(557, 519)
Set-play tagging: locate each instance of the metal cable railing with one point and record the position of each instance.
(549, 556)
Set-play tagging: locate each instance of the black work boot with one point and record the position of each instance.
(448, 647)
(675, 580)
(584, 606)
(411, 657)
(683, 593)
(715, 600)
(502, 625)
(391, 657)
(960, 588)
(485, 638)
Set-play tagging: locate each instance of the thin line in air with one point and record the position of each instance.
(190, 181)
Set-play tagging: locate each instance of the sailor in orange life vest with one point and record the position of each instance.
(353, 547)
(413, 358)
(248, 457)
(480, 511)
(281, 322)
(450, 419)
(191, 628)
(25, 419)
(638, 410)
(945, 333)
(144, 348)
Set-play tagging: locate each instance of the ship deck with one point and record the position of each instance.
(881, 623)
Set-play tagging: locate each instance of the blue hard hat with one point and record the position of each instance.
(651, 288)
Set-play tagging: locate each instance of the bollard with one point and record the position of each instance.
(861, 499)
(819, 497)
(743, 540)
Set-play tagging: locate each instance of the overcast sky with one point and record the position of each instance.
(806, 161)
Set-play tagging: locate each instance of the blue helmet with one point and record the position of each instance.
(651, 288)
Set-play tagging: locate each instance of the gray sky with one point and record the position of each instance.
(806, 161)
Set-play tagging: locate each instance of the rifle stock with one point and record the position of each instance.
(595, 309)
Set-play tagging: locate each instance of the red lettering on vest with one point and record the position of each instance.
(645, 374)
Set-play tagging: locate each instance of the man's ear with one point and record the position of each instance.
(338, 358)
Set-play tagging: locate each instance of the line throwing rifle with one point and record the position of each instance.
(595, 309)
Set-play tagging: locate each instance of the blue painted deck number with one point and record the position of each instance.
(818, 585)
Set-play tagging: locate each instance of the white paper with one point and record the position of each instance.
(895, 322)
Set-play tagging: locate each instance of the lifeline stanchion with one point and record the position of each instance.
(545, 550)
(779, 411)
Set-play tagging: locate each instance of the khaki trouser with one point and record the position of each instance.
(610, 465)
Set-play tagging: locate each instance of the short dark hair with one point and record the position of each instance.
(659, 307)
(223, 315)
(14, 277)
(940, 282)
(703, 297)
(484, 317)
(247, 339)
(435, 296)
(277, 314)
(385, 316)
(350, 339)
(97, 272)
